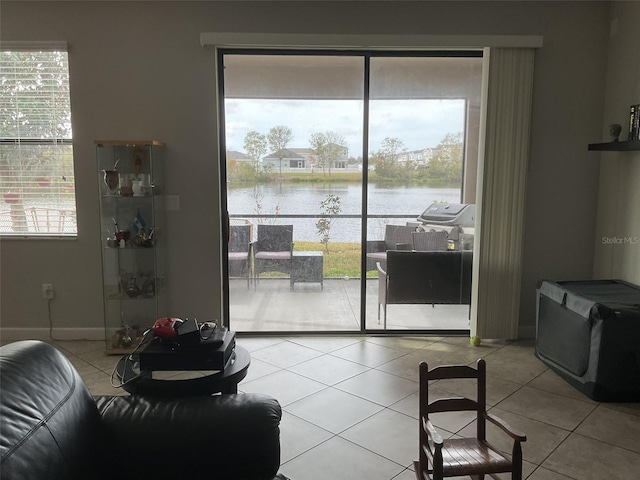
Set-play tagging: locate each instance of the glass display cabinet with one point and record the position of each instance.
(130, 179)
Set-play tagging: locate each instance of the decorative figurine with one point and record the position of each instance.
(112, 179)
(133, 290)
(148, 289)
(614, 131)
(126, 337)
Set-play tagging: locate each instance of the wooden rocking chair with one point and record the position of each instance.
(440, 458)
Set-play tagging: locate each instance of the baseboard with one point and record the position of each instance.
(14, 334)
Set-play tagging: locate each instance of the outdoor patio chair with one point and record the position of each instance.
(52, 220)
(459, 457)
(396, 237)
(273, 250)
(432, 241)
(239, 251)
(424, 278)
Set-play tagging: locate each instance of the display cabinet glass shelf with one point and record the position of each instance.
(130, 180)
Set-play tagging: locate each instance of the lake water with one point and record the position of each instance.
(396, 205)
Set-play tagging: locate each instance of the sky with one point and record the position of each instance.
(418, 123)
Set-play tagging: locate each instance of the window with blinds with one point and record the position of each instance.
(37, 183)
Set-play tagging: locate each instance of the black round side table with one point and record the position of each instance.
(224, 381)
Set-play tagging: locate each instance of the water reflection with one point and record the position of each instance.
(265, 201)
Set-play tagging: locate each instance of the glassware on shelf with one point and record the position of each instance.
(133, 290)
(112, 181)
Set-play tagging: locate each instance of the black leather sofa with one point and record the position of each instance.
(52, 428)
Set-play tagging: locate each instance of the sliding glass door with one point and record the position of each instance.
(423, 151)
(323, 151)
(293, 144)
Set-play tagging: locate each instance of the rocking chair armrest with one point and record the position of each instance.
(432, 433)
(505, 427)
(380, 269)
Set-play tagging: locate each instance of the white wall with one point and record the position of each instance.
(617, 239)
(137, 70)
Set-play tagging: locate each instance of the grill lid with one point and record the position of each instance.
(449, 214)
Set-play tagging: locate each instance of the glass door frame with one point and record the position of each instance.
(366, 55)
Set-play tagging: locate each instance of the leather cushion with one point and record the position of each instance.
(50, 424)
(273, 255)
(226, 437)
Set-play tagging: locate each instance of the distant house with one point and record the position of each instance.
(238, 156)
(302, 159)
(290, 160)
(308, 155)
(341, 163)
(420, 157)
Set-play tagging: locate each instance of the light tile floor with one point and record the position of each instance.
(350, 406)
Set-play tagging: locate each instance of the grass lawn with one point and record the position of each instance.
(342, 260)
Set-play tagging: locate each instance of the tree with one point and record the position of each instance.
(336, 148)
(329, 207)
(36, 73)
(385, 160)
(278, 138)
(318, 142)
(258, 198)
(446, 163)
(255, 144)
(328, 147)
(34, 106)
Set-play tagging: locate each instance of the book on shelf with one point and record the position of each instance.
(634, 122)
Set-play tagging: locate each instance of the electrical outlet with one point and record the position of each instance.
(47, 291)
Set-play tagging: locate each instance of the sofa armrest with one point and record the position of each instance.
(215, 437)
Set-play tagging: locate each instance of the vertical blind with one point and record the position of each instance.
(37, 183)
(501, 193)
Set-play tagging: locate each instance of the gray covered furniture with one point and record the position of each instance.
(424, 278)
(588, 332)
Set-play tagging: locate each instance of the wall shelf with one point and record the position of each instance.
(626, 146)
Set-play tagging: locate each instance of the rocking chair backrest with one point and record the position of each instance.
(455, 404)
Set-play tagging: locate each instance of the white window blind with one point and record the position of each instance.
(37, 183)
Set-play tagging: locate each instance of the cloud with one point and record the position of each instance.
(418, 123)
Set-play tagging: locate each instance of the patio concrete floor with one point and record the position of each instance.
(271, 306)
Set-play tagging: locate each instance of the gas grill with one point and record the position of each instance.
(457, 219)
(449, 214)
